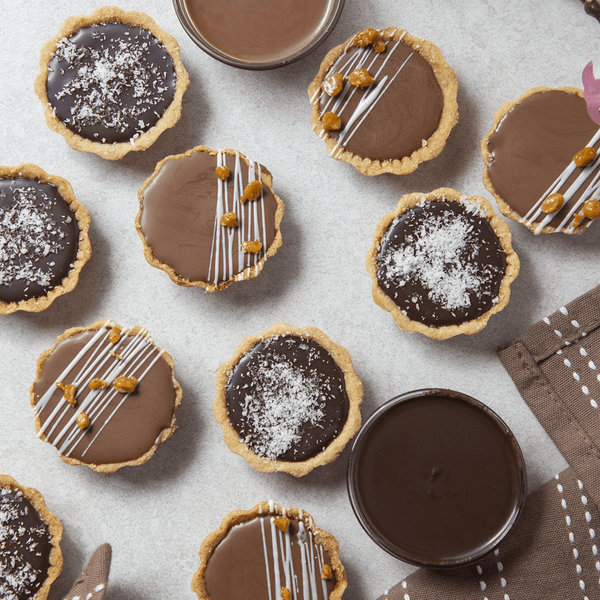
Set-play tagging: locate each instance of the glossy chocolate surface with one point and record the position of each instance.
(240, 565)
(404, 107)
(110, 82)
(287, 399)
(257, 30)
(441, 263)
(25, 546)
(181, 216)
(39, 239)
(436, 479)
(123, 427)
(534, 144)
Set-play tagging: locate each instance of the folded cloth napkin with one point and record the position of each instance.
(553, 553)
(91, 584)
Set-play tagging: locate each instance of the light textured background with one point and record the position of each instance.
(155, 516)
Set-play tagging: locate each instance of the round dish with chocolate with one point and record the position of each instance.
(111, 82)
(105, 396)
(44, 240)
(289, 400)
(442, 263)
(269, 552)
(541, 161)
(30, 555)
(209, 218)
(384, 101)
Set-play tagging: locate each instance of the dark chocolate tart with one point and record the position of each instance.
(111, 82)
(44, 239)
(288, 400)
(442, 263)
(30, 554)
(541, 161)
(384, 101)
(105, 396)
(269, 552)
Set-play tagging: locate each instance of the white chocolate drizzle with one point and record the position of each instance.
(589, 179)
(251, 224)
(101, 363)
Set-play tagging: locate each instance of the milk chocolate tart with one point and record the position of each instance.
(442, 263)
(30, 555)
(541, 161)
(384, 101)
(269, 552)
(288, 400)
(111, 82)
(105, 396)
(209, 218)
(44, 240)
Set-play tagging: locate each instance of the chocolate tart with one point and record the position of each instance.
(111, 82)
(30, 555)
(288, 400)
(269, 552)
(442, 263)
(182, 221)
(529, 156)
(105, 396)
(397, 115)
(44, 240)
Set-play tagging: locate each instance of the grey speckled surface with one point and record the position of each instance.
(156, 516)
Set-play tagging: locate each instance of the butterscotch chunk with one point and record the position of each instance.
(286, 594)
(282, 523)
(252, 191)
(577, 218)
(97, 384)
(331, 122)
(584, 157)
(252, 246)
(326, 572)
(229, 220)
(333, 85)
(83, 421)
(360, 78)
(591, 209)
(115, 335)
(552, 203)
(367, 36)
(69, 392)
(125, 385)
(222, 172)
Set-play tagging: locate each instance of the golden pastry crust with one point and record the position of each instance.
(31, 171)
(504, 207)
(444, 332)
(108, 467)
(354, 390)
(446, 78)
(54, 527)
(111, 14)
(248, 272)
(236, 517)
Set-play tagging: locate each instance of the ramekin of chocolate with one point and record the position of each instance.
(436, 478)
(442, 263)
(258, 34)
(288, 400)
(111, 82)
(44, 241)
(269, 552)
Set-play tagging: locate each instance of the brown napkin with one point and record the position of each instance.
(91, 584)
(553, 553)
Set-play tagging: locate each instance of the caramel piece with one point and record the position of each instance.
(333, 85)
(286, 594)
(125, 385)
(222, 172)
(282, 523)
(577, 218)
(114, 335)
(326, 572)
(591, 209)
(82, 420)
(97, 384)
(69, 392)
(229, 220)
(584, 157)
(252, 191)
(552, 203)
(379, 46)
(367, 36)
(251, 246)
(331, 122)
(360, 78)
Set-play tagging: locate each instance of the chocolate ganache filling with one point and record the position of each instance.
(25, 546)
(255, 557)
(441, 263)
(39, 239)
(110, 82)
(391, 118)
(287, 399)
